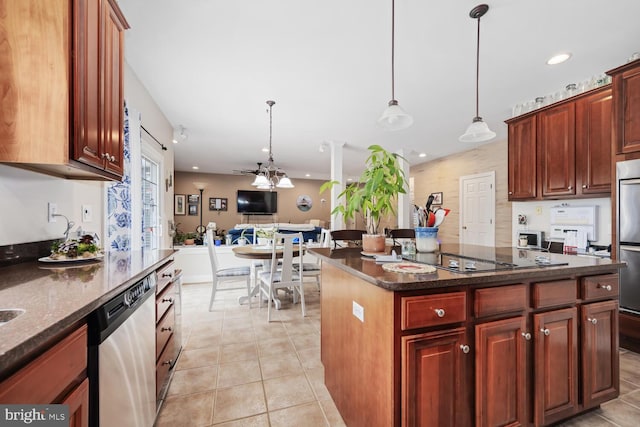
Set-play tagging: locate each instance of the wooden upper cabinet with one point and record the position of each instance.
(62, 84)
(593, 143)
(522, 159)
(626, 107)
(556, 149)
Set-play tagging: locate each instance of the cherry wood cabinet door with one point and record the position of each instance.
(600, 362)
(435, 384)
(593, 143)
(522, 166)
(556, 365)
(78, 401)
(501, 372)
(114, 25)
(626, 107)
(557, 150)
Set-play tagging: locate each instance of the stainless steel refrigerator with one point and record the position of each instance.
(628, 233)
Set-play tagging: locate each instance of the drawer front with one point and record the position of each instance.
(163, 365)
(164, 330)
(500, 299)
(433, 310)
(164, 301)
(552, 294)
(43, 380)
(599, 287)
(165, 276)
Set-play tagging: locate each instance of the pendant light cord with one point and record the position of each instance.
(393, 44)
(478, 69)
(270, 103)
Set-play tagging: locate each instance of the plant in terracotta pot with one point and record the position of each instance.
(374, 196)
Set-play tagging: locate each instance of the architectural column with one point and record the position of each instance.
(337, 222)
(404, 200)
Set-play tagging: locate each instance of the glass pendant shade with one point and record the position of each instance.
(285, 182)
(478, 131)
(260, 180)
(394, 117)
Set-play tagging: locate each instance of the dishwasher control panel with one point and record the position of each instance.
(134, 293)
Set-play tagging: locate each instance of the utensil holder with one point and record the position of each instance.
(427, 239)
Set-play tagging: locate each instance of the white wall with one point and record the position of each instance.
(538, 216)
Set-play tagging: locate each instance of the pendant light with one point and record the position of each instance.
(394, 117)
(478, 130)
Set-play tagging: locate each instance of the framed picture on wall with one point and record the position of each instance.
(437, 198)
(179, 204)
(217, 204)
(193, 209)
(194, 198)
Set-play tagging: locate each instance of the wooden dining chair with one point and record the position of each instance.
(225, 274)
(284, 276)
(402, 233)
(349, 236)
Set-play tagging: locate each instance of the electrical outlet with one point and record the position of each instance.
(358, 311)
(87, 213)
(538, 210)
(52, 209)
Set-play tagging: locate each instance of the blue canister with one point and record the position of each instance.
(427, 239)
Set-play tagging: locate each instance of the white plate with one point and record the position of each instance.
(66, 260)
(371, 254)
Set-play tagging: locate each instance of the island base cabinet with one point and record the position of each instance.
(600, 361)
(501, 370)
(556, 365)
(435, 385)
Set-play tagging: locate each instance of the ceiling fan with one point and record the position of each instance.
(248, 171)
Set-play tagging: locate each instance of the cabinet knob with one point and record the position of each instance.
(570, 187)
(605, 287)
(440, 312)
(545, 331)
(465, 348)
(167, 299)
(167, 362)
(510, 192)
(113, 158)
(593, 321)
(163, 329)
(526, 336)
(584, 185)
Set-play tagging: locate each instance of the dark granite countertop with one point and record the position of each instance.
(351, 261)
(57, 296)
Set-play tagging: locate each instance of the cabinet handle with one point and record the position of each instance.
(526, 335)
(605, 287)
(167, 362)
(465, 348)
(166, 274)
(163, 329)
(167, 300)
(545, 331)
(593, 321)
(439, 312)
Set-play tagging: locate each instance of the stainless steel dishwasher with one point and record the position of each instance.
(122, 356)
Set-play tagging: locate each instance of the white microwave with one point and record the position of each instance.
(533, 239)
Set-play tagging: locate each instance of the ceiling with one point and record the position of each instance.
(211, 65)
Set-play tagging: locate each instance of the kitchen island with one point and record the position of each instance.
(526, 343)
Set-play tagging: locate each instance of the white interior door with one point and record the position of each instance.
(477, 209)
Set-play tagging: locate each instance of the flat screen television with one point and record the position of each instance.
(257, 202)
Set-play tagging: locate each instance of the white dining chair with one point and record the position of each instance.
(283, 276)
(225, 274)
(313, 269)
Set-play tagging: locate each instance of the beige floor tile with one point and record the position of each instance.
(621, 413)
(193, 410)
(590, 419)
(305, 342)
(257, 421)
(197, 358)
(331, 413)
(194, 380)
(203, 339)
(308, 414)
(632, 398)
(238, 336)
(310, 358)
(316, 379)
(239, 402)
(280, 365)
(276, 346)
(627, 387)
(301, 328)
(238, 352)
(236, 373)
(287, 391)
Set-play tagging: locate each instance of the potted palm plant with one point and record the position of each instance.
(374, 195)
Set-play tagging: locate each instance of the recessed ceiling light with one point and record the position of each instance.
(307, 175)
(195, 167)
(559, 58)
(265, 149)
(422, 155)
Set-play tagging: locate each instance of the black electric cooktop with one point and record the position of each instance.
(458, 263)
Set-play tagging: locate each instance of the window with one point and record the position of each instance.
(150, 174)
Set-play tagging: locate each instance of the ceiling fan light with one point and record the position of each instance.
(260, 180)
(478, 131)
(266, 186)
(394, 117)
(285, 182)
